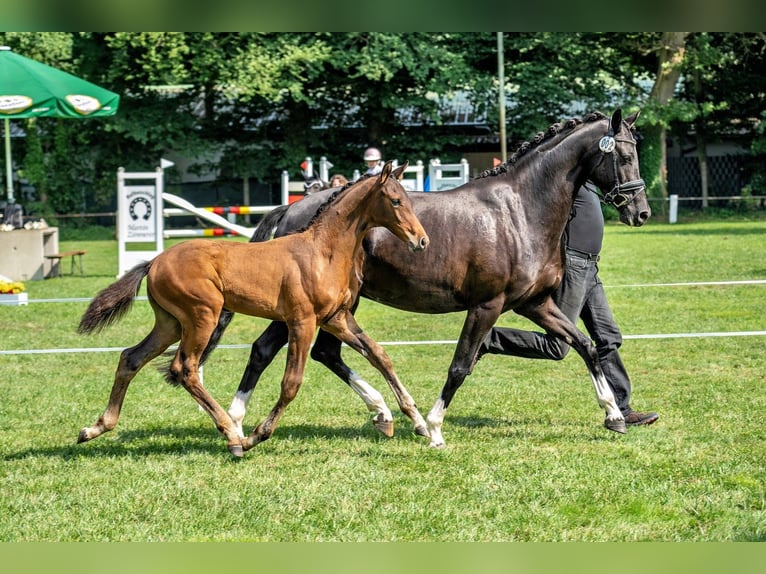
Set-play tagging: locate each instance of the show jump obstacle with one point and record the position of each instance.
(141, 200)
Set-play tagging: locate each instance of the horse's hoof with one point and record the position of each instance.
(236, 450)
(386, 427)
(618, 426)
(422, 431)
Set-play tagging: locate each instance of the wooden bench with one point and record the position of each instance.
(57, 257)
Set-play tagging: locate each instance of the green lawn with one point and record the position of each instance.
(526, 460)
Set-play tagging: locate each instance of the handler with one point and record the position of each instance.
(581, 294)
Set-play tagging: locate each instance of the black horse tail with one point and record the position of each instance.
(112, 303)
(265, 228)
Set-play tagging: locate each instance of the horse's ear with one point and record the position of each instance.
(616, 123)
(399, 171)
(386, 172)
(631, 119)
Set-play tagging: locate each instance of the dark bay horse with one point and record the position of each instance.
(496, 245)
(305, 280)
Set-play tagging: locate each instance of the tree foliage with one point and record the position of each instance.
(249, 105)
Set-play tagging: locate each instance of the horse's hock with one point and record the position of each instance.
(24, 253)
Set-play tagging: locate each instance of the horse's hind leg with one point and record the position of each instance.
(552, 319)
(262, 353)
(132, 360)
(326, 350)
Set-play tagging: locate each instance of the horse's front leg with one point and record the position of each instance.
(478, 322)
(344, 327)
(298, 344)
(327, 350)
(263, 351)
(548, 315)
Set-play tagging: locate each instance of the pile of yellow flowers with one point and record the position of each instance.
(11, 287)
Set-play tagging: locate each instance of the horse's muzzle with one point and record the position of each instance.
(419, 245)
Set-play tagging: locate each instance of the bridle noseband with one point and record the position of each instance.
(622, 193)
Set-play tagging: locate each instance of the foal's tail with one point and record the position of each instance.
(263, 232)
(111, 304)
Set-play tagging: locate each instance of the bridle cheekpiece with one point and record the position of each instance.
(622, 193)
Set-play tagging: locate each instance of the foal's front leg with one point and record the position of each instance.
(298, 344)
(344, 327)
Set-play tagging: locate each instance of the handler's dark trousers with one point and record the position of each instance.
(581, 294)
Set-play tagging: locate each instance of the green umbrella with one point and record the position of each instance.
(30, 89)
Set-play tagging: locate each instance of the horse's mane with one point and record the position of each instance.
(540, 138)
(333, 196)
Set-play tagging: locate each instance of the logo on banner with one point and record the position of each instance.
(139, 223)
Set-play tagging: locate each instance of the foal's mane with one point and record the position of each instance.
(333, 196)
(539, 139)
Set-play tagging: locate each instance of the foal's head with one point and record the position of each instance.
(390, 207)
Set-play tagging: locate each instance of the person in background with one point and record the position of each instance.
(580, 295)
(373, 159)
(338, 180)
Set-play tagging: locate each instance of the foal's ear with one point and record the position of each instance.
(386, 172)
(399, 171)
(616, 123)
(631, 119)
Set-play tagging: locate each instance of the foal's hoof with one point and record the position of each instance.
(616, 425)
(386, 427)
(236, 450)
(83, 436)
(422, 431)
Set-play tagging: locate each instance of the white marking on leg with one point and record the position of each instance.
(435, 418)
(238, 409)
(606, 399)
(371, 397)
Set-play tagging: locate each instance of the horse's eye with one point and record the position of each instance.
(396, 202)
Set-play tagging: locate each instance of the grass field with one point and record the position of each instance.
(526, 460)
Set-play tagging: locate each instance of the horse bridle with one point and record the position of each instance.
(622, 193)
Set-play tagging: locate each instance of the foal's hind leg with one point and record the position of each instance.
(552, 319)
(164, 333)
(344, 327)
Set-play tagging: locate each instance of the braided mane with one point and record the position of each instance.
(540, 138)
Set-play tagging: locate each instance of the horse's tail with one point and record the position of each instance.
(112, 303)
(265, 228)
(223, 321)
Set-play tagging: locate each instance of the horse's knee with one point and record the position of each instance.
(459, 372)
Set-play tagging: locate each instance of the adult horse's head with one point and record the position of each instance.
(393, 208)
(616, 171)
(313, 184)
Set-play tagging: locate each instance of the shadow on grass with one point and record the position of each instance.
(180, 440)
